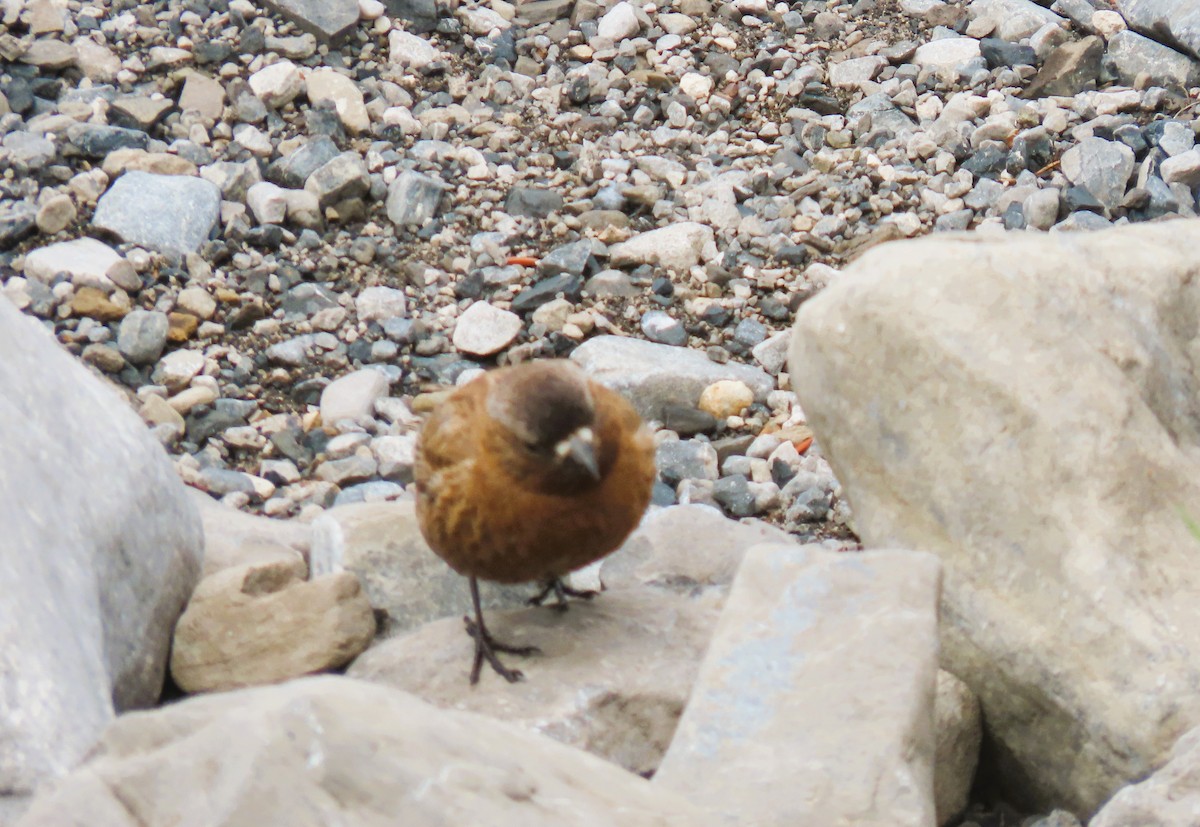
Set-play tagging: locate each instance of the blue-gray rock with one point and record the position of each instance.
(223, 415)
(570, 258)
(305, 299)
(686, 459)
(1133, 54)
(1082, 221)
(222, 481)
(611, 283)
(571, 287)
(532, 202)
(999, 52)
(413, 199)
(292, 171)
(809, 496)
(733, 494)
(342, 177)
(328, 20)
(142, 336)
(609, 198)
(1101, 167)
(168, 213)
(97, 140)
(369, 492)
(953, 222)
(17, 220)
(659, 327)
(102, 548)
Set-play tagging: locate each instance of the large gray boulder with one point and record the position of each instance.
(101, 549)
(1028, 407)
(1168, 21)
(328, 750)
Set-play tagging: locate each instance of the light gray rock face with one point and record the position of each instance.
(613, 677)
(1133, 54)
(169, 213)
(333, 750)
(685, 548)
(1169, 798)
(382, 544)
(235, 538)
(329, 20)
(1101, 167)
(851, 635)
(1165, 20)
(1062, 367)
(653, 375)
(101, 550)
(959, 730)
(413, 199)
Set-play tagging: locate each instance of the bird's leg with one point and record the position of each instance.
(561, 591)
(486, 646)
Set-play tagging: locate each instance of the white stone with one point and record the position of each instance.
(851, 74)
(329, 85)
(406, 49)
(697, 85)
(618, 23)
(278, 83)
(267, 202)
(675, 247)
(946, 53)
(483, 330)
(376, 304)
(1183, 168)
(177, 369)
(1107, 23)
(352, 396)
(86, 260)
(371, 9)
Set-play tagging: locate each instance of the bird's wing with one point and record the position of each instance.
(448, 436)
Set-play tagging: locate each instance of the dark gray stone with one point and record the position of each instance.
(569, 258)
(97, 140)
(420, 16)
(1070, 69)
(342, 177)
(733, 494)
(532, 202)
(169, 213)
(529, 300)
(292, 172)
(17, 220)
(686, 459)
(661, 328)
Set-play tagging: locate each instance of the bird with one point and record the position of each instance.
(527, 473)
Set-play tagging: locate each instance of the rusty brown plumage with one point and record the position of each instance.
(526, 474)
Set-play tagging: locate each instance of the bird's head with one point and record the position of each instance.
(546, 412)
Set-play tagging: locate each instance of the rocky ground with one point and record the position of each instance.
(232, 209)
(280, 228)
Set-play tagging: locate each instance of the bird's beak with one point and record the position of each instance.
(580, 448)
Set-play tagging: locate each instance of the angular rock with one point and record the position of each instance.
(1132, 54)
(377, 304)
(344, 176)
(329, 20)
(1069, 69)
(677, 247)
(1101, 167)
(604, 682)
(102, 550)
(1039, 539)
(170, 213)
(805, 629)
(413, 199)
(1014, 19)
(327, 85)
(142, 336)
(300, 760)
(653, 376)
(204, 95)
(382, 544)
(1166, 21)
(946, 53)
(265, 623)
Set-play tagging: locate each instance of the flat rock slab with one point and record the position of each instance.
(652, 375)
(101, 550)
(332, 750)
(168, 213)
(613, 676)
(382, 544)
(235, 538)
(814, 703)
(1061, 367)
(328, 20)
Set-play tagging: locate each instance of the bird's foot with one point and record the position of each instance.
(486, 648)
(555, 586)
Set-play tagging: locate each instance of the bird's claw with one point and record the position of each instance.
(486, 648)
(561, 591)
